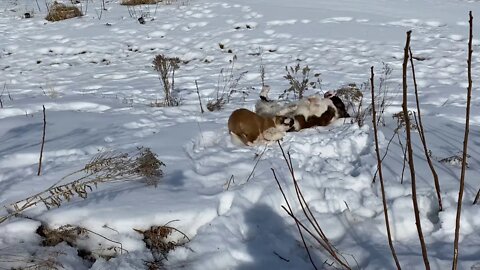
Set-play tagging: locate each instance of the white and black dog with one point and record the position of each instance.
(307, 112)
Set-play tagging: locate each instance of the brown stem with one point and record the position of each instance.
(404, 151)
(477, 197)
(199, 99)
(410, 155)
(380, 174)
(422, 137)
(308, 213)
(256, 163)
(43, 142)
(296, 222)
(465, 148)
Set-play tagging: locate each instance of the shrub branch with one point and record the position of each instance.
(103, 168)
(421, 132)
(43, 142)
(380, 174)
(410, 155)
(465, 147)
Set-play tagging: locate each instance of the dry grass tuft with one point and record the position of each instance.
(139, 2)
(166, 67)
(352, 95)
(401, 121)
(73, 235)
(66, 233)
(105, 167)
(59, 12)
(158, 240)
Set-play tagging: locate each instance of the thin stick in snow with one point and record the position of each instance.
(410, 156)
(380, 174)
(465, 148)
(199, 99)
(422, 137)
(43, 142)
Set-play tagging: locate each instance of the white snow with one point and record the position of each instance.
(94, 75)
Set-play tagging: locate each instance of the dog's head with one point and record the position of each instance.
(340, 106)
(284, 123)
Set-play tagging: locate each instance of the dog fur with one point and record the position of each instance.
(307, 112)
(250, 128)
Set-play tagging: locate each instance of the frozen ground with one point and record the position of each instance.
(95, 78)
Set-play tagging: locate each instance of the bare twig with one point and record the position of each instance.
(404, 151)
(296, 222)
(465, 147)
(410, 155)
(421, 132)
(38, 5)
(43, 142)
(477, 197)
(108, 239)
(1, 94)
(199, 99)
(380, 174)
(320, 237)
(256, 163)
(231, 180)
(280, 257)
(384, 155)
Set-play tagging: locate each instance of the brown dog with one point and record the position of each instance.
(250, 128)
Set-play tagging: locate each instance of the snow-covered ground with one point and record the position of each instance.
(94, 76)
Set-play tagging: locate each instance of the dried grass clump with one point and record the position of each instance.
(59, 12)
(66, 233)
(105, 167)
(139, 2)
(158, 240)
(455, 160)
(72, 235)
(352, 95)
(166, 67)
(401, 121)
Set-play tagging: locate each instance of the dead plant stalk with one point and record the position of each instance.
(465, 147)
(43, 142)
(410, 155)
(421, 133)
(380, 174)
(319, 235)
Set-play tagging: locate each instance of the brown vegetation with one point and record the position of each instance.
(139, 2)
(59, 12)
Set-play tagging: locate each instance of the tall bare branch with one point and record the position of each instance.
(421, 132)
(380, 174)
(410, 156)
(43, 143)
(465, 147)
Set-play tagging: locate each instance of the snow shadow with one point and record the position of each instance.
(270, 242)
